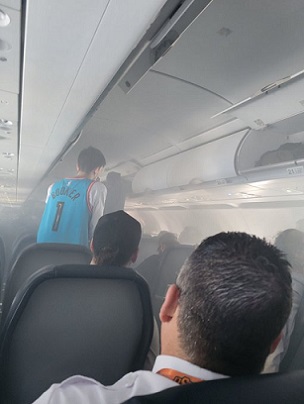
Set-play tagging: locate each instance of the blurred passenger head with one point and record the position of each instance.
(90, 160)
(291, 242)
(231, 300)
(166, 240)
(190, 235)
(116, 239)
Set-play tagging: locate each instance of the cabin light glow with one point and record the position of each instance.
(292, 191)
(4, 123)
(4, 19)
(4, 45)
(8, 155)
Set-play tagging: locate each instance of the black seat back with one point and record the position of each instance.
(21, 242)
(35, 257)
(147, 247)
(74, 319)
(294, 357)
(2, 262)
(116, 195)
(276, 388)
(170, 265)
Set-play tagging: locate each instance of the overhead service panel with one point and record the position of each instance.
(214, 161)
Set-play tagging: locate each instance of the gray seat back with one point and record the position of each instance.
(2, 261)
(294, 357)
(170, 265)
(147, 247)
(35, 257)
(74, 319)
(22, 242)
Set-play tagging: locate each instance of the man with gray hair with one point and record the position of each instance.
(222, 318)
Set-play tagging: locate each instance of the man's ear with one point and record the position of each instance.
(98, 171)
(275, 343)
(134, 256)
(170, 304)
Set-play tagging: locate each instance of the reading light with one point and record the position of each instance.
(4, 19)
(4, 45)
(5, 124)
(8, 155)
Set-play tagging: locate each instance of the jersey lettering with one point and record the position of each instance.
(66, 191)
(59, 210)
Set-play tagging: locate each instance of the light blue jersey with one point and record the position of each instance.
(67, 213)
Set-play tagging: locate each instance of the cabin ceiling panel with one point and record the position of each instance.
(33, 166)
(9, 139)
(8, 106)
(121, 141)
(9, 102)
(114, 33)
(237, 47)
(66, 167)
(8, 169)
(10, 52)
(52, 59)
(8, 155)
(16, 4)
(69, 60)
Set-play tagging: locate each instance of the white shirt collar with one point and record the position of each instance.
(171, 362)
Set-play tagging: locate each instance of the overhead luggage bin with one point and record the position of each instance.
(272, 103)
(275, 152)
(214, 161)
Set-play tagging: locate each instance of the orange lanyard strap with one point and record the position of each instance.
(178, 377)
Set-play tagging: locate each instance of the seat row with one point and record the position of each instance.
(64, 319)
(67, 315)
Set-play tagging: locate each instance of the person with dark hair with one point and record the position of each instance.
(149, 268)
(223, 316)
(291, 243)
(116, 239)
(115, 242)
(117, 191)
(74, 205)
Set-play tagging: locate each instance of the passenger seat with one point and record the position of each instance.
(35, 257)
(294, 357)
(167, 272)
(74, 319)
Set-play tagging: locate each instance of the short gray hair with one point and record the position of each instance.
(235, 297)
